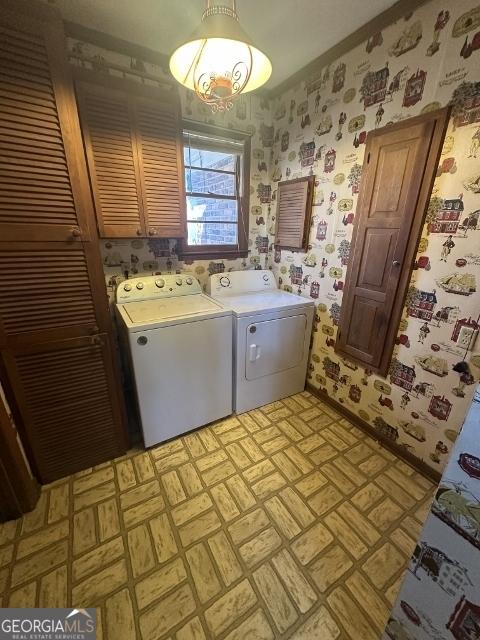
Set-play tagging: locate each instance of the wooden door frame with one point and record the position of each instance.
(441, 118)
(19, 490)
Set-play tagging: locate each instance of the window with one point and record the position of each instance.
(216, 191)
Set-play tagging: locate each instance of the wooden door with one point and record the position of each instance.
(44, 187)
(64, 393)
(50, 290)
(56, 353)
(18, 488)
(56, 348)
(107, 126)
(398, 173)
(160, 152)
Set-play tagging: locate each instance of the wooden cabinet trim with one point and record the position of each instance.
(19, 489)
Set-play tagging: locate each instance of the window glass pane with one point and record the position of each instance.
(211, 233)
(211, 209)
(208, 159)
(200, 181)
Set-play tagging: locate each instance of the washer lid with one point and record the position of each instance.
(150, 314)
(264, 302)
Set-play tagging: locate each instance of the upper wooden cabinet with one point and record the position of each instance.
(107, 126)
(398, 173)
(44, 194)
(133, 143)
(160, 155)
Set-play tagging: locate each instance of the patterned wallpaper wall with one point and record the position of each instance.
(320, 127)
(440, 595)
(422, 62)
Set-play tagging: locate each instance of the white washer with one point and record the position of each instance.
(180, 344)
(271, 336)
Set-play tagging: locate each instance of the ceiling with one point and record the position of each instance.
(291, 32)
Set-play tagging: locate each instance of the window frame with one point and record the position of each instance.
(239, 250)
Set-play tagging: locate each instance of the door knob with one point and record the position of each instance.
(396, 263)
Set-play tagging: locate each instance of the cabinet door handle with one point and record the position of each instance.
(94, 329)
(96, 341)
(139, 232)
(152, 232)
(396, 263)
(75, 233)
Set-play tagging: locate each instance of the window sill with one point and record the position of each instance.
(211, 253)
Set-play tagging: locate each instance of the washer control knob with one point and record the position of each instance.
(189, 280)
(139, 285)
(127, 287)
(224, 281)
(266, 277)
(178, 281)
(142, 340)
(160, 283)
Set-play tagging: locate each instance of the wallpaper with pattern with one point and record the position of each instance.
(420, 63)
(440, 595)
(424, 61)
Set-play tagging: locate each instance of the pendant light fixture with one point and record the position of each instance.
(219, 60)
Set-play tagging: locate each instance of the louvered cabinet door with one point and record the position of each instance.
(160, 152)
(64, 390)
(107, 120)
(44, 193)
(50, 290)
(294, 206)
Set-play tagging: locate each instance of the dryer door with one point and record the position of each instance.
(274, 345)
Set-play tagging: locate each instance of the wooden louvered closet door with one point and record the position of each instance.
(107, 127)
(42, 194)
(64, 392)
(56, 355)
(160, 149)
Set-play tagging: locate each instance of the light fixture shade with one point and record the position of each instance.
(219, 61)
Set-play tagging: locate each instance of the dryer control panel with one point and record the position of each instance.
(235, 283)
(152, 287)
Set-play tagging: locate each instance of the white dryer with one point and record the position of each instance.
(180, 344)
(271, 341)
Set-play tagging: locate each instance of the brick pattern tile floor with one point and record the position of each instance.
(284, 522)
